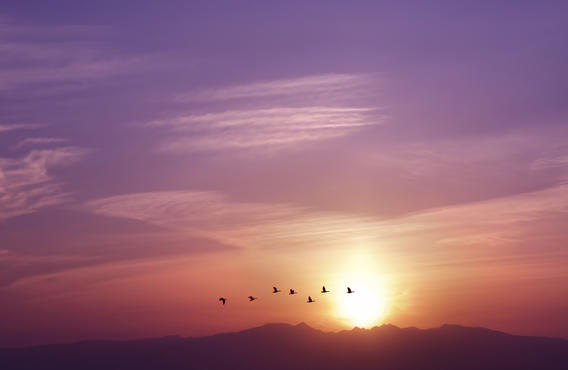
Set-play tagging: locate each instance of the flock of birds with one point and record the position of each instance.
(292, 291)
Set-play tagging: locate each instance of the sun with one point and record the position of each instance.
(364, 308)
(368, 305)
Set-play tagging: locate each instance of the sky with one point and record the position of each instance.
(155, 156)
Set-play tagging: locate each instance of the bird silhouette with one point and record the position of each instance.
(292, 291)
(275, 290)
(323, 290)
(310, 300)
(223, 300)
(349, 291)
(251, 298)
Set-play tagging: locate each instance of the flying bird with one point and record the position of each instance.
(251, 298)
(349, 291)
(275, 290)
(310, 300)
(292, 291)
(323, 290)
(223, 300)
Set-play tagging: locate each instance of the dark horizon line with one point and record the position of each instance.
(300, 325)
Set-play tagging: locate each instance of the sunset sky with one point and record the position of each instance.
(155, 156)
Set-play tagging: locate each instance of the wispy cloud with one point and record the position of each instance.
(15, 267)
(26, 184)
(326, 84)
(268, 225)
(189, 210)
(86, 71)
(6, 128)
(272, 127)
(35, 141)
(273, 114)
(44, 56)
(524, 150)
(558, 161)
(13, 29)
(210, 214)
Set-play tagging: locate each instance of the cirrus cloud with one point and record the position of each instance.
(26, 183)
(271, 115)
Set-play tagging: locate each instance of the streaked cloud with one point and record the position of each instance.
(197, 211)
(35, 141)
(15, 266)
(542, 163)
(526, 150)
(327, 84)
(26, 183)
(267, 225)
(272, 115)
(273, 127)
(6, 128)
(72, 59)
(248, 225)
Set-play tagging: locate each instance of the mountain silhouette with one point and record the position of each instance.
(283, 346)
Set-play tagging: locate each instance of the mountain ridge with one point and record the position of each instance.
(286, 346)
(278, 325)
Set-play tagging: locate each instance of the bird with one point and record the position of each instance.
(223, 300)
(310, 300)
(323, 290)
(275, 290)
(292, 291)
(251, 298)
(349, 291)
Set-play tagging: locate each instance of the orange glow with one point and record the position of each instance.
(367, 306)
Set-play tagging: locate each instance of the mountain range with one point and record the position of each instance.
(284, 346)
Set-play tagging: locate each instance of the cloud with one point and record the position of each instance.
(559, 161)
(485, 156)
(273, 127)
(257, 225)
(478, 218)
(6, 128)
(42, 57)
(76, 71)
(34, 141)
(12, 29)
(188, 210)
(303, 86)
(494, 215)
(16, 267)
(210, 214)
(26, 184)
(271, 115)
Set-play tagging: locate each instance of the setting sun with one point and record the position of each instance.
(368, 303)
(364, 308)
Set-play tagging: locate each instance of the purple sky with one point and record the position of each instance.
(141, 139)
